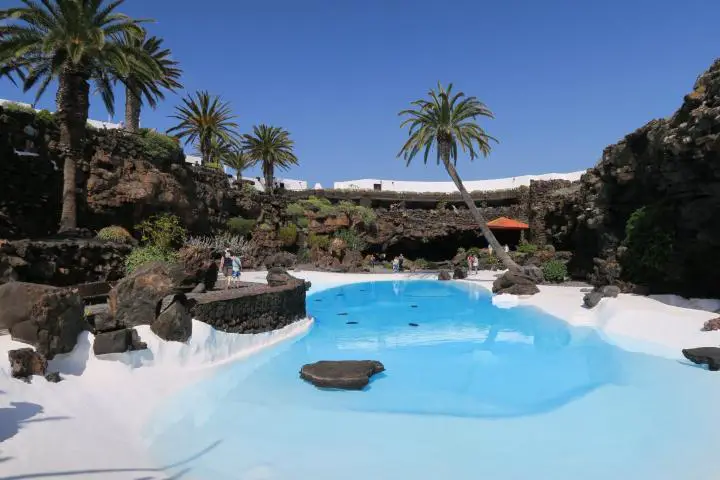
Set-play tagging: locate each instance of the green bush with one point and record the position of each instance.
(526, 247)
(288, 234)
(555, 271)
(295, 210)
(114, 234)
(421, 264)
(318, 241)
(321, 206)
(45, 118)
(302, 222)
(157, 145)
(649, 238)
(367, 215)
(266, 227)
(303, 255)
(164, 231)
(352, 239)
(241, 226)
(13, 107)
(149, 253)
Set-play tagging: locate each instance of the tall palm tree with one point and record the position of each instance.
(205, 118)
(74, 42)
(445, 121)
(273, 147)
(238, 160)
(147, 87)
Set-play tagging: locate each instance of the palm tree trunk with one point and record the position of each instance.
(205, 150)
(479, 218)
(238, 175)
(72, 113)
(132, 111)
(269, 174)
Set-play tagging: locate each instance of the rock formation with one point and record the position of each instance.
(26, 362)
(344, 374)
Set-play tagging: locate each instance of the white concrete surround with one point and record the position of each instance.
(449, 187)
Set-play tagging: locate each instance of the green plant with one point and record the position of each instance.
(114, 234)
(266, 227)
(441, 205)
(156, 145)
(45, 118)
(273, 148)
(321, 206)
(368, 215)
(649, 238)
(288, 234)
(526, 247)
(146, 254)
(316, 241)
(295, 210)
(555, 271)
(302, 222)
(421, 264)
(352, 239)
(13, 107)
(240, 225)
(303, 255)
(236, 243)
(164, 231)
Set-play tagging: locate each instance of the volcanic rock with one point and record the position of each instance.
(344, 374)
(514, 283)
(26, 362)
(709, 356)
(175, 322)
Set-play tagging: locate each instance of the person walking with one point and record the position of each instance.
(236, 268)
(227, 267)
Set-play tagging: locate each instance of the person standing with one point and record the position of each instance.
(227, 267)
(476, 263)
(401, 259)
(470, 262)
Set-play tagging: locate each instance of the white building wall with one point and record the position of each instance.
(449, 187)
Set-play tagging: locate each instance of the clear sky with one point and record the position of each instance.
(565, 78)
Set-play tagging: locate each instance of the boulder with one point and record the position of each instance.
(277, 276)
(26, 362)
(514, 283)
(16, 301)
(352, 261)
(709, 356)
(534, 273)
(610, 291)
(117, 341)
(344, 374)
(56, 320)
(199, 266)
(444, 275)
(593, 298)
(712, 324)
(135, 299)
(53, 377)
(175, 322)
(459, 273)
(104, 322)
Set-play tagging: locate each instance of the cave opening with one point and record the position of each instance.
(438, 249)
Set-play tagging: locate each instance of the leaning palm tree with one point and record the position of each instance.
(447, 121)
(74, 42)
(205, 119)
(146, 87)
(273, 147)
(236, 159)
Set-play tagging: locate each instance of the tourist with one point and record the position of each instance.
(372, 262)
(236, 268)
(401, 259)
(507, 249)
(227, 267)
(475, 263)
(395, 264)
(490, 250)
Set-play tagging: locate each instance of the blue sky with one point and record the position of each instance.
(565, 78)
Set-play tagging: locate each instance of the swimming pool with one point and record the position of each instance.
(470, 391)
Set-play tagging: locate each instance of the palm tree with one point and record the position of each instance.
(205, 118)
(273, 147)
(147, 87)
(445, 121)
(238, 160)
(74, 42)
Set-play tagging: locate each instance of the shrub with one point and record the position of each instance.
(235, 243)
(115, 234)
(368, 215)
(45, 118)
(157, 145)
(649, 240)
(318, 241)
(303, 255)
(295, 210)
(303, 222)
(164, 231)
(352, 239)
(288, 234)
(149, 253)
(421, 264)
(321, 206)
(555, 271)
(266, 227)
(526, 247)
(13, 107)
(241, 226)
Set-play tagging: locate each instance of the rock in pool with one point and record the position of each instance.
(345, 374)
(709, 356)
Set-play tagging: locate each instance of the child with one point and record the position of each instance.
(236, 268)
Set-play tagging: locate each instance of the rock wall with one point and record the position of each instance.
(253, 309)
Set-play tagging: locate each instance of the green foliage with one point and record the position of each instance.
(146, 254)
(352, 239)
(321, 242)
(13, 107)
(528, 248)
(156, 145)
(302, 222)
(288, 234)
(421, 264)
(114, 234)
(303, 255)
(441, 205)
(241, 226)
(295, 210)
(475, 251)
(368, 215)
(555, 271)
(322, 207)
(164, 231)
(45, 118)
(266, 227)
(649, 238)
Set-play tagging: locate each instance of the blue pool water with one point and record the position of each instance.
(471, 392)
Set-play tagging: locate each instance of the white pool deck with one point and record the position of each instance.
(90, 425)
